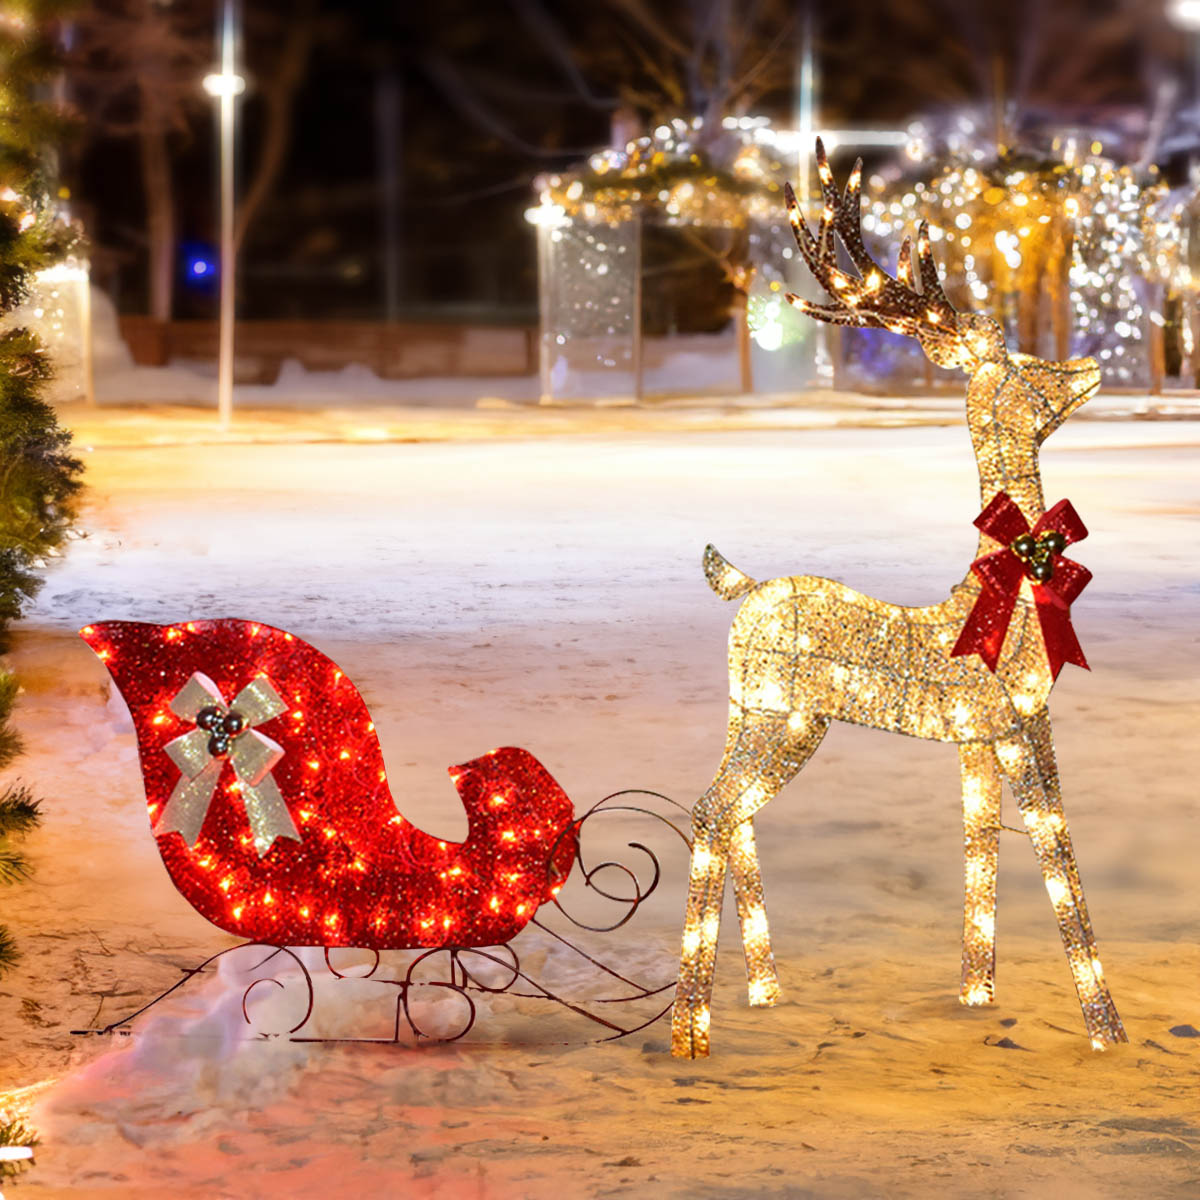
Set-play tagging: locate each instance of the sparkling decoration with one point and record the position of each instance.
(689, 172)
(1111, 272)
(805, 651)
(272, 810)
(719, 184)
(587, 285)
(1073, 252)
(58, 310)
(1034, 555)
(1171, 261)
(1068, 248)
(226, 732)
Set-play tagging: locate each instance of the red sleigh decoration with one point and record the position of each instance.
(356, 873)
(269, 800)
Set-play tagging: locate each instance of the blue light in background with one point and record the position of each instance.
(198, 265)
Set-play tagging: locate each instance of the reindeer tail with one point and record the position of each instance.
(723, 577)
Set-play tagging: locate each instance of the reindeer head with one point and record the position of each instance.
(1053, 390)
(1039, 395)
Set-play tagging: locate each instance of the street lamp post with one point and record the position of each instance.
(225, 86)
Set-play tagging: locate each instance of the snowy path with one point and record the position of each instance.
(547, 592)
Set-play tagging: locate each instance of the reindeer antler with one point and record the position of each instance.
(873, 297)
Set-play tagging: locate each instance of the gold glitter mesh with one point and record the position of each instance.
(805, 651)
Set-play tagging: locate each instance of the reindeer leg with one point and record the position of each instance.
(690, 1014)
(762, 978)
(781, 761)
(764, 754)
(1027, 759)
(981, 787)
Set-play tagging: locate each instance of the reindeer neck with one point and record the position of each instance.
(1006, 446)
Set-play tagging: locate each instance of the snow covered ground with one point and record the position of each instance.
(545, 591)
(682, 372)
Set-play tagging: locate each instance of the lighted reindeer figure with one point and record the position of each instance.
(975, 670)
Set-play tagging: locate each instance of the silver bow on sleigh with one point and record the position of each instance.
(201, 756)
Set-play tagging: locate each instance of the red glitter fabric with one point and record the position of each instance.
(1002, 573)
(358, 874)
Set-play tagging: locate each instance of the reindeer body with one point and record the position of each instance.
(849, 657)
(805, 651)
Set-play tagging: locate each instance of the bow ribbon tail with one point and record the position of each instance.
(987, 624)
(254, 759)
(187, 806)
(1062, 646)
(268, 814)
(1054, 599)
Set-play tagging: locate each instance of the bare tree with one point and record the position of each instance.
(704, 57)
(137, 69)
(282, 47)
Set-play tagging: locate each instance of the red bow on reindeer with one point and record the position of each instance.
(1037, 555)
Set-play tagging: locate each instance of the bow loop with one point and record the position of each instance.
(1070, 578)
(225, 731)
(258, 701)
(1001, 571)
(190, 752)
(1062, 518)
(1002, 520)
(1034, 554)
(196, 695)
(255, 756)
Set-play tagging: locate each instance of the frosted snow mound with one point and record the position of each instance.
(194, 1059)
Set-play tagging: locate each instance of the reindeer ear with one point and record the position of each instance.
(1056, 389)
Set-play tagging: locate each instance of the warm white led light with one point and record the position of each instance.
(224, 84)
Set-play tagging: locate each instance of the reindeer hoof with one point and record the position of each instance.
(973, 995)
(689, 1030)
(764, 993)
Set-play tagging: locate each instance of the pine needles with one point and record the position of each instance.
(39, 478)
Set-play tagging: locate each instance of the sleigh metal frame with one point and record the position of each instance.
(464, 966)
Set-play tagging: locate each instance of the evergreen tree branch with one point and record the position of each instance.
(14, 866)
(19, 811)
(39, 478)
